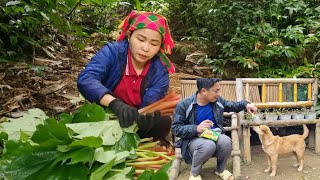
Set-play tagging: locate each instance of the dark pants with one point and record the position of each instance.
(203, 149)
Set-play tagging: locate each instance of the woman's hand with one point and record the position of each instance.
(125, 113)
(206, 124)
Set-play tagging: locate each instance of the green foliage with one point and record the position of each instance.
(31, 27)
(60, 150)
(278, 38)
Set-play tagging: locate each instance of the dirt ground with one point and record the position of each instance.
(255, 171)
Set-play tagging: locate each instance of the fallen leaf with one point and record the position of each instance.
(2, 75)
(53, 88)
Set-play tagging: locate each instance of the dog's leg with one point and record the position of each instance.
(269, 164)
(298, 160)
(300, 156)
(274, 161)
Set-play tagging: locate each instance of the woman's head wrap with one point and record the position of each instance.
(139, 20)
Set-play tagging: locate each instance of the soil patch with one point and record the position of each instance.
(255, 171)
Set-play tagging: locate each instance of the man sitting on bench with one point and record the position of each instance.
(198, 121)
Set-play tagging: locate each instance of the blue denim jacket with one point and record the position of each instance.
(184, 120)
(106, 68)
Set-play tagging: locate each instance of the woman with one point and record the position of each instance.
(133, 72)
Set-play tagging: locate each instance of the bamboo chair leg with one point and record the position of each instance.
(176, 164)
(317, 138)
(235, 149)
(311, 138)
(246, 145)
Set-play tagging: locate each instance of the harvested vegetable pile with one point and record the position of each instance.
(89, 144)
(165, 105)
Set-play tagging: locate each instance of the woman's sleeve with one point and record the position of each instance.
(90, 79)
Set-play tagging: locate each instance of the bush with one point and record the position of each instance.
(277, 38)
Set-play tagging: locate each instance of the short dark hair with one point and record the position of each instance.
(206, 83)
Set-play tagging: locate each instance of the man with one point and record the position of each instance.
(200, 112)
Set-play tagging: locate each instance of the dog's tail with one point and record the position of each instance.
(305, 131)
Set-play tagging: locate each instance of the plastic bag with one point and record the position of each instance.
(210, 134)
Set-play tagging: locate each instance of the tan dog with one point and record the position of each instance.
(275, 145)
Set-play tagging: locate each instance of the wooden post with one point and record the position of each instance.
(295, 92)
(317, 139)
(175, 167)
(280, 93)
(311, 138)
(309, 92)
(246, 145)
(317, 128)
(263, 93)
(314, 93)
(284, 104)
(247, 92)
(239, 94)
(235, 148)
(281, 123)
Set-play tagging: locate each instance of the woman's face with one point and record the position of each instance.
(144, 44)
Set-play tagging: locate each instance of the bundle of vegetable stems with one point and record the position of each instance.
(150, 156)
(165, 105)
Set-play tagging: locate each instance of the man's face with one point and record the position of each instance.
(213, 93)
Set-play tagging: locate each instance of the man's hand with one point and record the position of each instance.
(206, 124)
(125, 113)
(251, 108)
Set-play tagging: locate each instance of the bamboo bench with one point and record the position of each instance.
(280, 102)
(188, 88)
(271, 96)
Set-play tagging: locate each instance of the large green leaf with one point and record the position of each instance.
(89, 113)
(27, 123)
(62, 172)
(52, 133)
(65, 118)
(102, 170)
(24, 161)
(83, 155)
(94, 142)
(146, 175)
(128, 142)
(109, 131)
(105, 156)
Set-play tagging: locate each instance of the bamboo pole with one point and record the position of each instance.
(246, 145)
(239, 94)
(194, 81)
(284, 104)
(280, 93)
(317, 128)
(175, 167)
(317, 139)
(235, 148)
(263, 96)
(277, 80)
(309, 92)
(281, 122)
(295, 92)
(315, 93)
(247, 92)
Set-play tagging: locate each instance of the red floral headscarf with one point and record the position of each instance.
(139, 20)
